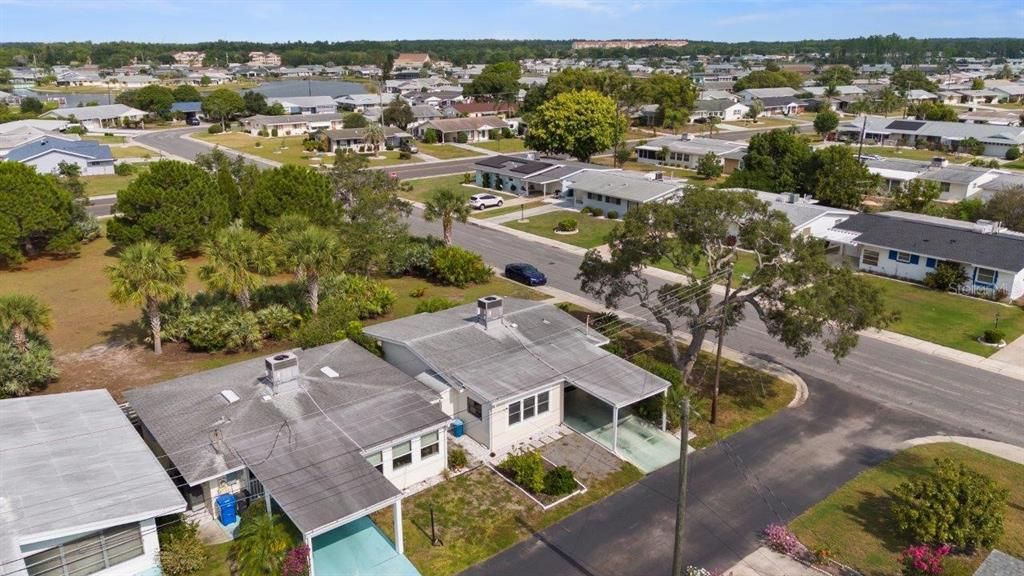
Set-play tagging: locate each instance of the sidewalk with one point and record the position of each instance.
(1003, 450)
(511, 217)
(472, 148)
(1013, 353)
(764, 562)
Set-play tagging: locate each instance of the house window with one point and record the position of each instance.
(430, 444)
(376, 461)
(543, 400)
(401, 455)
(984, 276)
(903, 257)
(686, 157)
(89, 554)
(529, 407)
(475, 408)
(515, 415)
(869, 258)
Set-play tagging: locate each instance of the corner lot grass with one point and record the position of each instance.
(908, 153)
(478, 514)
(592, 231)
(287, 149)
(853, 522)
(131, 152)
(504, 146)
(103, 139)
(1016, 164)
(422, 188)
(106, 184)
(445, 151)
(947, 319)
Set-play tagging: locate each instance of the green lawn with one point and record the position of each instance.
(422, 187)
(907, 153)
(505, 145)
(762, 122)
(287, 149)
(592, 231)
(406, 302)
(445, 151)
(492, 212)
(746, 263)
(217, 561)
(478, 514)
(131, 152)
(947, 319)
(1016, 164)
(103, 139)
(106, 184)
(853, 523)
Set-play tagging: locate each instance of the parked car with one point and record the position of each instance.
(192, 121)
(407, 146)
(481, 201)
(526, 274)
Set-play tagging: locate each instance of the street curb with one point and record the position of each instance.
(1003, 450)
(161, 155)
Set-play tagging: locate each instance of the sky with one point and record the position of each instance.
(287, 20)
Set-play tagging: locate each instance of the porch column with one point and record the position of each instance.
(309, 544)
(399, 541)
(664, 412)
(266, 497)
(615, 429)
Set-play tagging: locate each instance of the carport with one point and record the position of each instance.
(598, 404)
(358, 548)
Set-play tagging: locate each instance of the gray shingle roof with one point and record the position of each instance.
(302, 441)
(71, 461)
(85, 148)
(627, 186)
(534, 344)
(1000, 564)
(938, 240)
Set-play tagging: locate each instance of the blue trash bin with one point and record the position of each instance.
(227, 507)
(458, 427)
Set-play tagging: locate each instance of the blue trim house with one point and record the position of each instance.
(909, 246)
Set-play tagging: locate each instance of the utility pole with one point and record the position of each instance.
(678, 566)
(721, 337)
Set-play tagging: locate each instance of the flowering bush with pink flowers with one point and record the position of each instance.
(296, 563)
(780, 539)
(924, 560)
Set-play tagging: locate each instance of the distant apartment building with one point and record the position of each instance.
(265, 59)
(191, 58)
(627, 44)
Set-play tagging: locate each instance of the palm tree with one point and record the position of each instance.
(447, 206)
(712, 121)
(374, 136)
(313, 252)
(262, 542)
(756, 107)
(146, 275)
(830, 93)
(237, 260)
(21, 314)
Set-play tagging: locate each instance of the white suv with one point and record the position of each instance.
(481, 201)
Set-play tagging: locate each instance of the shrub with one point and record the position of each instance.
(418, 292)
(263, 132)
(458, 267)
(215, 129)
(566, 225)
(587, 210)
(296, 562)
(435, 304)
(558, 481)
(1013, 152)
(526, 469)
(923, 560)
(76, 130)
(457, 458)
(403, 155)
(370, 298)
(430, 136)
(310, 145)
(221, 328)
(273, 132)
(467, 178)
(993, 336)
(28, 371)
(597, 211)
(182, 552)
(781, 540)
(946, 276)
(951, 505)
(335, 320)
(612, 215)
(257, 144)
(461, 138)
(277, 321)
(410, 257)
(124, 169)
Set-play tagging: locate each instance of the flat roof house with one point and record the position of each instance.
(80, 491)
(618, 191)
(355, 138)
(292, 124)
(686, 151)
(46, 155)
(449, 129)
(510, 368)
(360, 102)
(909, 246)
(996, 139)
(326, 435)
(98, 117)
(751, 94)
(527, 174)
(305, 104)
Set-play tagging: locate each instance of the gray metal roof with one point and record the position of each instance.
(1000, 564)
(625, 185)
(73, 463)
(798, 210)
(309, 434)
(102, 112)
(693, 145)
(565, 169)
(938, 239)
(769, 92)
(533, 344)
(1004, 181)
(955, 173)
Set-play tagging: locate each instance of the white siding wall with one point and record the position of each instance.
(581, 200)
(1013, 284)
(49, 163)
(1016, 289)
(421, 469)
(400, 357)
(475, 428)
(146, 562)
(503, 435)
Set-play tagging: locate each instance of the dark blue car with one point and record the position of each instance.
(526, 274)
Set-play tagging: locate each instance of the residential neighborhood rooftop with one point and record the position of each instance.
(83, 148)
(625, 185)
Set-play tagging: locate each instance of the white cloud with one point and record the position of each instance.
(595, 6)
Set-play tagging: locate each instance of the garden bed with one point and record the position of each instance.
(545, 501)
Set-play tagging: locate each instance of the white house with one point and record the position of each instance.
(98, 117)
(751, 94)
(305, 104)
(686, 151)
(355, 138)
(527, 174)
(46, 155)
(721, 108)
(80, 490)
(617, 191)
(906, 132)
(359, 102)
(291, 124)
(909, 246)
(507, 366)
(326, 435)
(472, 129)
